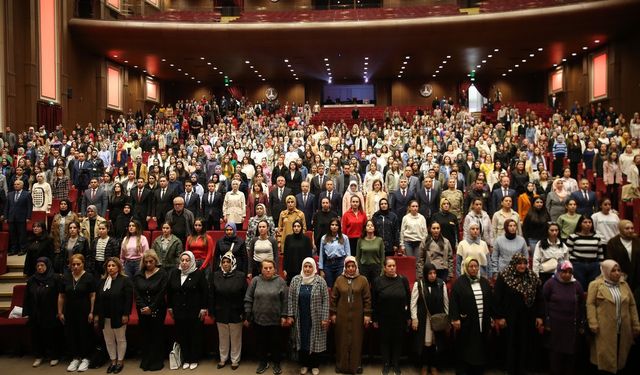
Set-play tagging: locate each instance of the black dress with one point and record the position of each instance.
(39, 246)
(150, 292)
(391, 299)
(116, 205)
(77, 306)
(41, 306)
(226, 296)
(296, 248)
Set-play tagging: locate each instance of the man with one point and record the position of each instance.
(306, 202)
(17, 212)
(212, 206)
(95, 196)
(191, 198)
(80, 173)
(625, 249)
(174, 184)
(428, 198)
(318, 182)
(141, 202)
(162, 201)
(140, 169)
(180, 219)
(96, 165)
(343, 180)
(413, 181)
(478, 191)
(401, 197)
(585, 199)
(335, 198)
(11, 139)
(277, 197)
(498, 194)
(89, 225)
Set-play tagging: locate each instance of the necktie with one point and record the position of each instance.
(304, 199)
(162, 194)
(429, 196)
(586, 196)
(329, 195)
(81, 164)
(504, 192)
(139, 194)
(17, 196)
(187, 198)
(93, 194)
(211, 198)
(404, 193)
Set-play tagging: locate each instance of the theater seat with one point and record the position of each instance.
(17, 299)
(406, 266)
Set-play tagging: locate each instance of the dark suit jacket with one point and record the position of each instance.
(293, 183)
(276, 204)
(101, 201)
(18, 211)
(160, 207)
(80, 177)
(336, 201)
(496, 200)
(141, 208)
(585, 206)
(115, 302)
(212, 212)
(276, 172)
(187, 299)
(631, 267)
(399, 202)
(194, 203)
(316, 188)
(428, 208)
(309, 209)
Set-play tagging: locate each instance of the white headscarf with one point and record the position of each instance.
(306, 280)
(192, 265)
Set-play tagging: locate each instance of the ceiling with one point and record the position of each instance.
(208, 52)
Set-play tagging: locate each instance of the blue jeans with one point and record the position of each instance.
(412, 248)
(333, 269)
(585, 272)
(131, 267)
(532, 245)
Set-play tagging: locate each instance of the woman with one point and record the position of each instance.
(234, 207)
(606, 222)
(518, 309)
(353, 222)
(506, 246)
(167, 248)
(297, 246)
(103, 248)
(559, 150)
(73, 244)
(370, 252)
(564, 317)
(556, 199)
(262, 247)
(449, 224)
(120, 226)
(391, 300)
(413, 230)
(150, 285)
(372, 201)
(473, 246)
(132, 247)
(257, 197)
(40, 245)
(293, 178)
(569, 219)
(117, 200)
(41, 194)
(265, 306)
(428, 297)
(288, 216)
(526, 200)
(114, 297)
(334, 248)
(187, 292)
(60, 184)
(548, 253)
(388, 227)
(308, 316)
(60, 222)
(40, 307)
(612, 317)
(471, 309)
(612, 177)
(586, 251)
(75, 310)
(352, 191)
(227, 289)
(570, 183)
(350, 313)
(438, 251)
(481, 217)
(260, 214)
(201, 246)
(535, 222)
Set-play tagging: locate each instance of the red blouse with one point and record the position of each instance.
(196, 245)
(353, 224)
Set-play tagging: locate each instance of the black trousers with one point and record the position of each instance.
(189, 336)
(561, 363)
(558, 164)
(391, 337)
(269, 343)
(45, 338)
(79, 335)
(18, 238)
(309, 360)
(370, 271)
(153, 350)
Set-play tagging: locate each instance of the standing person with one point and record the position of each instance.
(564, 315)
(505, 248)
(372, 201)
(473, 246)
(612, 317)
(353, 222)
(297, 247)
(308, 316)
(75, 310)
(625, 250)
(535, 223)
(428, 297)
(350, 313)
(262, 246)
(40, 306)
(526, 200)
(73, 244)
(201, 245)
(413, 231)
(288, 216)
(548, 253)
(586, 199)
(449, 224)
(612, 177)
(41, 194)
(501, 216)
(391, 300)
(265, 306)
(103, 248)
(479, 216)
(334, 248)
(438, 251)
(261, 214)
(556, 199)
(606, 221)
(117, 200)
(212, 202)
(234, 206)
(132, 248)
(17, 212)
(60, 223)
(388, 227)
(471, 309)
(168, 248)
(40, 245)
(586, 251)
(232, 243)
(114, 297)
(187, 304)
(321, 221)
(227, 289)
(569, 220)
(370, 252)
(150, 285)
(519, 308)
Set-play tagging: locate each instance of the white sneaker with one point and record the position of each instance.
(303, 370)
(185, 366)
(54, 362)
(193, 366)
(37, 362)
(73, 366)
(315, 371)
(84, 365)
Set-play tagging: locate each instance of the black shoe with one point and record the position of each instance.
(276, 369)
(397, 370)
(110, 369)
(221, 365)
(262, 367)
(22, 253)
(385, 369)
(118, 368)
(359, 370)
(234, 366)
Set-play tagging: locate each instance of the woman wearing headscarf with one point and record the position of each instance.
(40, 306)
(437, 250)
(297, 247)
(40, 245)
(350, 313)
(262, 247)
(449, 224)
(309, 315)
(227, 289)
(519, 309)
(265, 306)
(564, 318)
(231, 242)
(261, 214)
(556, 199)
(471, 309)
(612, 317)
(428, 297)
(288, 216)
(187, 302)
(60, 222)
(505, 247)
(352, 191)
(388, 227)
(473, 246)
(114, 297)
(150, 285)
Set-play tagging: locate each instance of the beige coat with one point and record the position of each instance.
(601, 315)
(85, 228)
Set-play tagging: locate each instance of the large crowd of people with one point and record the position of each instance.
(509, 235)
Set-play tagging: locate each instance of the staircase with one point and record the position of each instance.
(14, 276)
(332, 115)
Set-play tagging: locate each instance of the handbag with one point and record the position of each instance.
(439, 322)
(549, 265)
(175, 357)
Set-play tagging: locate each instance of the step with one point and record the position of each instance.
(5, 305)
(14, 276)
(6, 290)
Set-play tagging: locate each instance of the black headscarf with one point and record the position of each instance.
(432, 291)
(65, 212)
(48, 274)
(510, 236)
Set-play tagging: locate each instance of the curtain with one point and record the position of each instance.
(49, 115)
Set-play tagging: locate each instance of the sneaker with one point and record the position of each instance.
(185, 365)
(73, 366)
(37, 362)
(262, 367)
(84, 365)
(276, 369)
(303, 370)
(315, 371)
(54, 362)
(193, 366)
(385, 370)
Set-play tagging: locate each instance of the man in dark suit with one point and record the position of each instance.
(212, 206)
(428, 198)
(17, 212)
(618, 251)
(334, 197)
(306, 202)
(318, 182)
(191, 198)
(401, 198)
(81, 173)
(141, 199)
(498, 194)
(277, 197)
(585, 198)
(96, 196)
(162, 201)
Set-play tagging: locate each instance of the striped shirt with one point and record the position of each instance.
(477, 293)
(585, 248)
(101, 245)
(614, 289)
(560, 149)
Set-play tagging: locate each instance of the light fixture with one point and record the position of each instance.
(574, 54)
(285, 60)
(524, 60)
(144, 71)
(135, 66)
(251, 66)
(327, 64)
(215, 68)
(596, 41)
(399, 76)
(329, 73)
(516, 66)
(540, 49)
(489, 56)
(170, 64)
(201, 58)
(294, 74)
(448, 56)
(407, 57)
(496, 50)
(247, 62)
(510, 70)
(208, 63)
(193, 77)
(484, 61)
(564, 60)
(255, 71)
(179, 69)
(288, 65)
(365, 68)
(404, 63)
(440, 67)
(585, 48)
(478, 66)
(116, 56)
(259, 75)
(366, 63)
(220, 72)
(366, 58)
(437, 71)
(186, 74)
(504, 74)
(402, 68)
(126, 61)
(199, 82)
(434, 76)
(473, 70)
(263, 80)
(444, 61)
(326, 59)
(554, 65)
(291, 70)
(531, 55)
(163, 60)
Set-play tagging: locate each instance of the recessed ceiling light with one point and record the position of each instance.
(220, 72)
(126, 61)
(366, 58)
(247, 62)
(555, 65)
(230, 80)
(531, 55)
(296, 78)
(170, 64)
(516, 66)
(366, 63)
(198, 81)
(504, 74)
(365, 68)
(215, 68)
(263, 79)
(524, 60)
(135, 66)
(448, 56)
(496, 50)
(294, 74)
(288, 65)
(399, 76)
(434, 76)
(115, 56)
(403, 67)
(440, 67)
(186, 74)
(193, 77)
(404, 63)
(489, 56)
(251, 66)
(596, 41)
(327, 64)
(329, 73)
(255, 71)
(478, 66)
(540, 49)
(564, 60)
(574, 54)
(259, 75)
(179, 69)
(437, 71)
(484, 61)
(473, 79)
(473, 70)
(291, 70)
(208, 63)
(585, 48)
(144, 71)
(285, 60)
(444, 61)
(510, 70)
(201, 58)
(407, 57)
